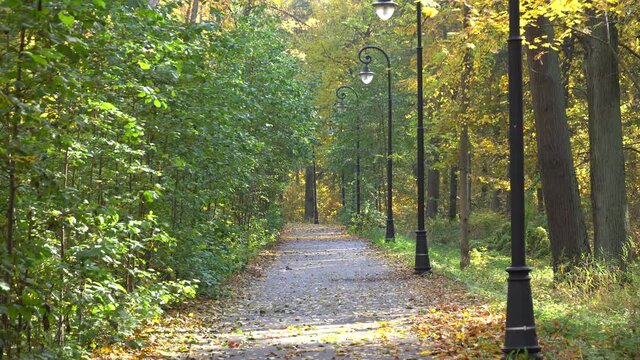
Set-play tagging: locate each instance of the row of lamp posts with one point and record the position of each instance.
(520, 332)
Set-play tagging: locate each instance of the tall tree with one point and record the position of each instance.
(433, 187)
(194, 11)
(567, 230)
(608, 192)
(465, 158)
(453, 192)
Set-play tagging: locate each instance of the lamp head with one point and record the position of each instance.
(341, 107)
(366, 75)
(384, 8)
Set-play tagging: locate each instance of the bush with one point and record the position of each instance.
(213, 251)
(537, 240)
(443, 231)
(368, 219)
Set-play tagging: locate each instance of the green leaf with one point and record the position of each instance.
(66, 19)
(148, 196)
(144, 65)
(39, 59)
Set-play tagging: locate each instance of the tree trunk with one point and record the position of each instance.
(567, 231)
(539, 193)
(433, 192)
(608, 192)
(309, 203)
(495, 200)
(465, 181)
(465, 198)
(194, 11)
(453, 192)
(433, 183)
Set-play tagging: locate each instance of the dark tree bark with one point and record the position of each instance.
(309, 203)
(453, 192)
(567, 231)
(608, 192)
(194, 11)
(565, 65)
(539, 192)
(465, 199)
(433, 180)
(465, 157)
(495, 200)
(433, 192)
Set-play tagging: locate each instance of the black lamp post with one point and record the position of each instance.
(520, 332)
(315, 191)
(341, 95)
(366, 76)
(340, 107)
(384, 10)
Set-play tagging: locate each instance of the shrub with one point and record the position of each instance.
(369, 218)
(537, 240)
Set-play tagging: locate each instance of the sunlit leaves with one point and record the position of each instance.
(66, 19)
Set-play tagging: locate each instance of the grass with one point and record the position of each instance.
(600, 321)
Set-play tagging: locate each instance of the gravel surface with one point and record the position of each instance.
(325, 296)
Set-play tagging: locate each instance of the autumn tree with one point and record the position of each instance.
(567, 230)
(608, 191)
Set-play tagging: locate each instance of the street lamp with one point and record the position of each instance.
(341, 94)
(366, 76)
(315, 191)
(520, 331)
(385, 9)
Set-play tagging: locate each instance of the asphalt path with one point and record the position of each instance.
(326, 295)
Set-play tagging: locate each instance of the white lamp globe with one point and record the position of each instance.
(385, 9)
(366, 75)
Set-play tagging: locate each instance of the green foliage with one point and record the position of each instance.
(140, 157)
(218, 250)
(369, 218)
